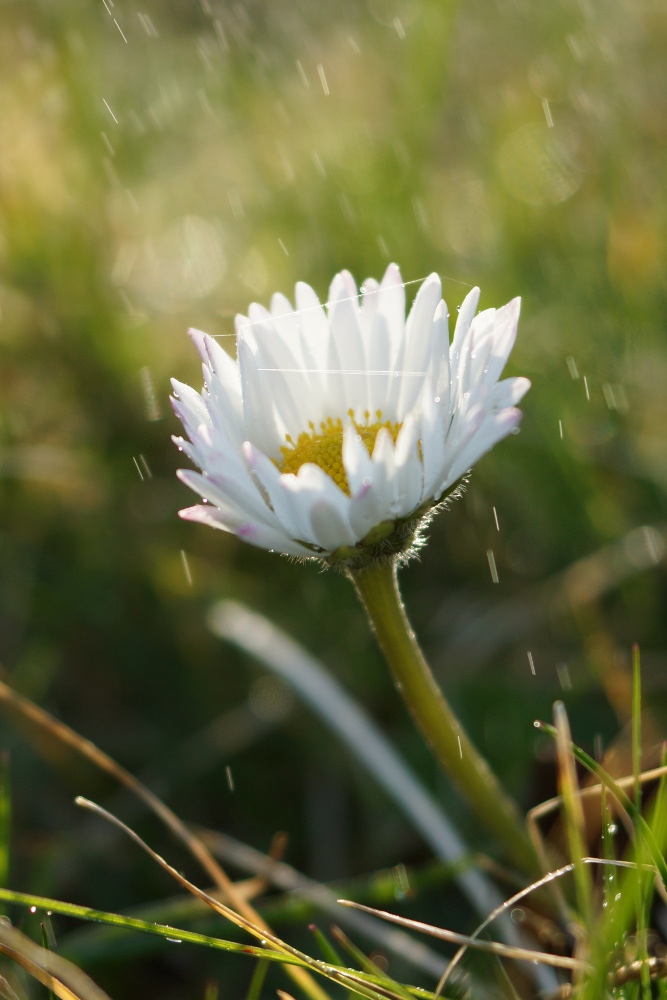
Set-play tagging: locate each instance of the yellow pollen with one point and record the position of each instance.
(325, 447)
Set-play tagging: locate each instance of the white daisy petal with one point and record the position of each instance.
(271, 539)
(311, 314)
(504, 335)
(240, 494)
(509, 392)
(419, 334)
(204, 514)
(285, 318)
(391, 304)
(292, 516)
(385, 478)
(313, 339)
(408, 466)
(346, 337)
(463, 321)
(224, 368)
(256, 534)
(366, 508)
(369, 300)
(285, 466)
(493, 429)
(257, 409)
(330, 528)
(379, 361)
(189, 406)
(433, 437)
(357, 461)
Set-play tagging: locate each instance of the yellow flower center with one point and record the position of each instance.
(325, 447)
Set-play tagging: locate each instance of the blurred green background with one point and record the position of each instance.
(162, 164)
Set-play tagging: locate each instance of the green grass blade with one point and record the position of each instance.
(257, 981)
(640, 824)
(574, 816)
(329, 953)
(173, 934)
(368, 965)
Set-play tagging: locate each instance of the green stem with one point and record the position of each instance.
(377, 588)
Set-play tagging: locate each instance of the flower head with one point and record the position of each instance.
(336, 432)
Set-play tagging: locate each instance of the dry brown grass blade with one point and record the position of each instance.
(551, 805)
(495, 947)
(539, 812)
(575, 823)
(56, 973)
(18, 706)
(346, 977)
(26, 711)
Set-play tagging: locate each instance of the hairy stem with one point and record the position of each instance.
(377, 587)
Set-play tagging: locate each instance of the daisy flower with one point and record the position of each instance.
(340, 428)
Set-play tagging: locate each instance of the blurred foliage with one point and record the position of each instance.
(163, 164)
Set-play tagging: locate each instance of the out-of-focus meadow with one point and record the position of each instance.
(161, 166)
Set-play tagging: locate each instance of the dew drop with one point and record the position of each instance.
(395, 374)
(33, 909)
(437, 399)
